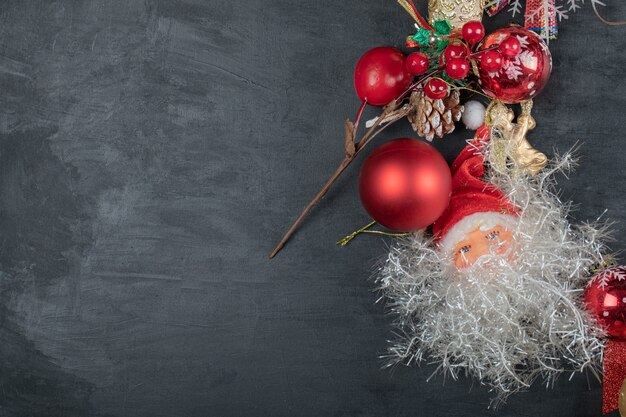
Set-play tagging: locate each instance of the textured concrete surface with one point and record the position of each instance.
(151, 155)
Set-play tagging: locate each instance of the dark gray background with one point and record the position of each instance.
(151, 155)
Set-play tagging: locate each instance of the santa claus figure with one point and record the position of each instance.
(495, 291)
(479, 219)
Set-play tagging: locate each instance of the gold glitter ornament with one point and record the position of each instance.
(455, 12)
(511, 138)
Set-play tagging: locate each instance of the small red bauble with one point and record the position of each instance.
(457, 68)
(473, 32)
(417, 63)
(380, 76)
(454, 50)
(436, 88)
(606, 300)
(521, 77)
(510, 47)
(490, 61)
(405, 184)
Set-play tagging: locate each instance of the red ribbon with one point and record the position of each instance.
(496, 7)
(614, 374)
(540, 17)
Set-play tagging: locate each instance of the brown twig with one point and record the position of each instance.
(603, 20)
(390, 114)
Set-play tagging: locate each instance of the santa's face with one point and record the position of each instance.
(477, 243)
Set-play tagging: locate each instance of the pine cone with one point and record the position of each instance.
(431, 118)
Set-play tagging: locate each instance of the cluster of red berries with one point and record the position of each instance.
(491, 60)
(455, 59)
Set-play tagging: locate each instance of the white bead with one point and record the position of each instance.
(473, 114)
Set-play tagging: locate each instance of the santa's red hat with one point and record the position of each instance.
(474, 203)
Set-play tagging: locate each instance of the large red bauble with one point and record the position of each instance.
(405, 184)
(521, 77)
(380, 76)
(606, 300)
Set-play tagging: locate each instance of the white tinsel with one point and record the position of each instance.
(505, 323)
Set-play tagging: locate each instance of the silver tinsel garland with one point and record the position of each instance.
(507, 323)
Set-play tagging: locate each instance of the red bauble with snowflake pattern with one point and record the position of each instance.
(606, 300)
(522, 76)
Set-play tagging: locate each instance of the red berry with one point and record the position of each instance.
(510, 47)
(417, 63)
(473, 32)
(436, 88)
(454, 50)
(457, 68)
(491, 61)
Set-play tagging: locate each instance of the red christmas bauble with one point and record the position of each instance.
(606, 300)
(473, 32)
(405, 184)
(380, 76)
(436, 88)
(521, 77)
(417, 63)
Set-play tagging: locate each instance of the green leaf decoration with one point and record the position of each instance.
(422, 36)
(442, 27)
(441, 45)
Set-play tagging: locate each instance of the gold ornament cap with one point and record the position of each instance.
(455, 12)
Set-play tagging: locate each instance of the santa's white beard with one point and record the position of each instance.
(504, 322)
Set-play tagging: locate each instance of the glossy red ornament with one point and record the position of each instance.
(522, 77)
(436, 88)
(454, 50)
(490, 61)
(510, 47)
(457, 68)
(606, 300)
(380, 76)
(417, 63)
(405, 184)
(473, 32)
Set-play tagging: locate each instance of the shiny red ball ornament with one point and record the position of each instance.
(606, 300)
(454, 50)
(436, 88)
(510, 47)
(458, 68)
(521, 77)
(417, 63)
(405, 184)
(380, 76)
(490, 61)
(473, 32)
